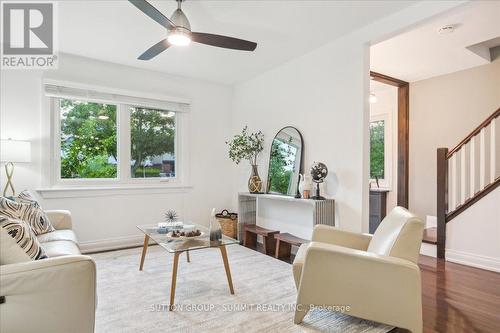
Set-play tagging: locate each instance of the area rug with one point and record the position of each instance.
(130, 300)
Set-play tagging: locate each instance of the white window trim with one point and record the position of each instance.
(385, 183)
(53, 182)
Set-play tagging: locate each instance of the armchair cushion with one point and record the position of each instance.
(398, 235)
(18, 243)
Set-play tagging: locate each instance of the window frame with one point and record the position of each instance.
(386, 182)
(123, 178)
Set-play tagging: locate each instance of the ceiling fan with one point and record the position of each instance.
(179, 32)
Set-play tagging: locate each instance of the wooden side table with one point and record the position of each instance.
(250, 237)
(284, 244)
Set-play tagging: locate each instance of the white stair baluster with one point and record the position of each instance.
(482, 159)
(453, 182)
(462, 175)
(472, 170)
(492, 150)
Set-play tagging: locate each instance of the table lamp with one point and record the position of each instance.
(13, 151)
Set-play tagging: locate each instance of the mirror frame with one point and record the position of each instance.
(301, 164)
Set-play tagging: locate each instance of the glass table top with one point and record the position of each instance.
(180, 244)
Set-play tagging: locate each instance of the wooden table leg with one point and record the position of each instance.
(187, 254)
(226, 266)
(144, 250)
(174, 280)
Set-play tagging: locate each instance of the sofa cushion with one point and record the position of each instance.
(57, 235)
(18, 243)
(60, 248)
(31, 213)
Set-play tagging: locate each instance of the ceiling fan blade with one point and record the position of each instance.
(153, 13)
(223, 41)
(154, 50)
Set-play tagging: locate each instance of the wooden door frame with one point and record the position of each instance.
(403, 133)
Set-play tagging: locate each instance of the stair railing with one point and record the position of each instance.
(465, 174)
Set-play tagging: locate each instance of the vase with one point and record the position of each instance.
(215, 230)
(305, 184)
(254, 182)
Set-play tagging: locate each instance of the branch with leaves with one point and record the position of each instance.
(246, 146)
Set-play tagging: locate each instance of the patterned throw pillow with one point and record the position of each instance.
(26, 197)
(18, 242)
(29, 212)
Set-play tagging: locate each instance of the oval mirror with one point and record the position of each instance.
(285, 162)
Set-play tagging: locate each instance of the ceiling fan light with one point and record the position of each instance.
(179, 38)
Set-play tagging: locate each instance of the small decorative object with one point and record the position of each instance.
(247, 146)
(162, 228)
(171, 216)
(228, 222)
(319, 171)
(307, 194)
(215, 230)
(186, 234)
(305, 184)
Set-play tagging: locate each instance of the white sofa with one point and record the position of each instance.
(57, 294)
(376, 276)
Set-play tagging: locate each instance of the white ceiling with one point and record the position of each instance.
(422, 53)
(118, 32)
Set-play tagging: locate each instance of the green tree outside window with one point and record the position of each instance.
(377, 158)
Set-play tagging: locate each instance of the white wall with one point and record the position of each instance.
(113, 216)
(324, 94)
(473, 237)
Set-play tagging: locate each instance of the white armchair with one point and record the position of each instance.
(57, 294)
(376, 277)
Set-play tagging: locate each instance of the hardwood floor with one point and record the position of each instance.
(457, 298)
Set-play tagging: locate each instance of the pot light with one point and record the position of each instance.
(447, 29)
(179, 38)
(373, 98)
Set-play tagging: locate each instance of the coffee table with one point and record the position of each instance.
(178, 246)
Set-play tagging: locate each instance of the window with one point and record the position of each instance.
(381, 150)
(104, 138)
(88, 139)
(377, 149)
(152, 135)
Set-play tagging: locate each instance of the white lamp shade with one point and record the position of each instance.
(15, 151)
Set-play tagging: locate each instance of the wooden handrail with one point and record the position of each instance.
(475, 132)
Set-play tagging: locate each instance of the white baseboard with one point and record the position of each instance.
(474, 260)
(111, 243)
